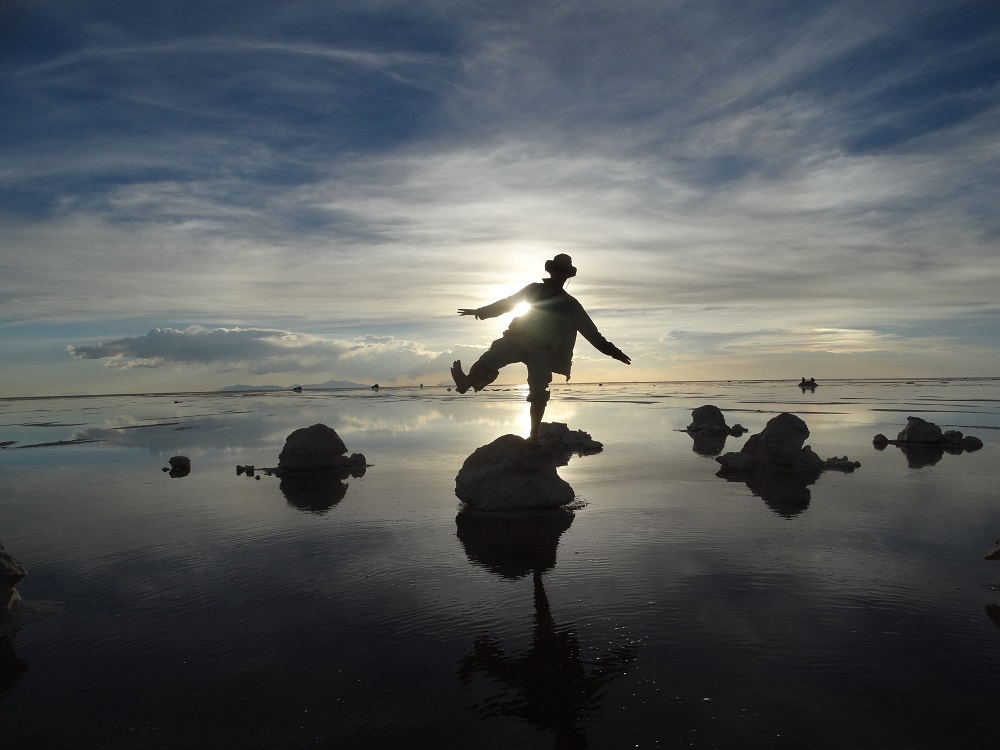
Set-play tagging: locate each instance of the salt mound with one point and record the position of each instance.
(509, 474)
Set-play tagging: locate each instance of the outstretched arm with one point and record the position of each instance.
(497, 308)
(586, 327)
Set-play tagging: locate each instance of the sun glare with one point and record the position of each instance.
(522, 308)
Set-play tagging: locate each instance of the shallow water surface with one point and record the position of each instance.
(669, 607)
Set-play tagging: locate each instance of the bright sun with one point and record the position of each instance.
(522, 308)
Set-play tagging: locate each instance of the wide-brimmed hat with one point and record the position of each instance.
(562, 264)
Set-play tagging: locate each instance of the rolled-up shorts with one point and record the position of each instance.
(507, 350)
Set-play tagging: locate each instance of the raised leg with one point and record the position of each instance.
(479, 376)
(458, 375)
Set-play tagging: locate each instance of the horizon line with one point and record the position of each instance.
(493, 386)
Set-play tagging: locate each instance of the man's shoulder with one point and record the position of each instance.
(536, 291)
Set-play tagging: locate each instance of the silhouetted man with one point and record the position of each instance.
(543, 338)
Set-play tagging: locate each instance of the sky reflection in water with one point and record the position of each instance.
(672, 606)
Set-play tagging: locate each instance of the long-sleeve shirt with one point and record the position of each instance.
(551, 324)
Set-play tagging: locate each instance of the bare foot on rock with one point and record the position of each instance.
(460, 378)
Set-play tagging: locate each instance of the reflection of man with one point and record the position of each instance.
(549, 687)
(543, 338)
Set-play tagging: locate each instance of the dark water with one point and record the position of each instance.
(670, 608)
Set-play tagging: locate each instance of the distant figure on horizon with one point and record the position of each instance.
(542, 338)
(811, 383)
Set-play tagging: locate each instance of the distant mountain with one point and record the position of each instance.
(336, 384)
(327, 384)
(253, 388)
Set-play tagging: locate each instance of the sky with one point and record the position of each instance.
(200, 194)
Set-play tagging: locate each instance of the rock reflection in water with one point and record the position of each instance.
(993, 612)
(316, 491)
(786, 493)
(11, 667)
(550, 686)
(919, 456)
(710, 445)
(512, 546)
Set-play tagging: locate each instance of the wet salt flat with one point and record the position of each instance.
(671, 608)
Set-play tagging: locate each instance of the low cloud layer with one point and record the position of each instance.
(255, 351)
